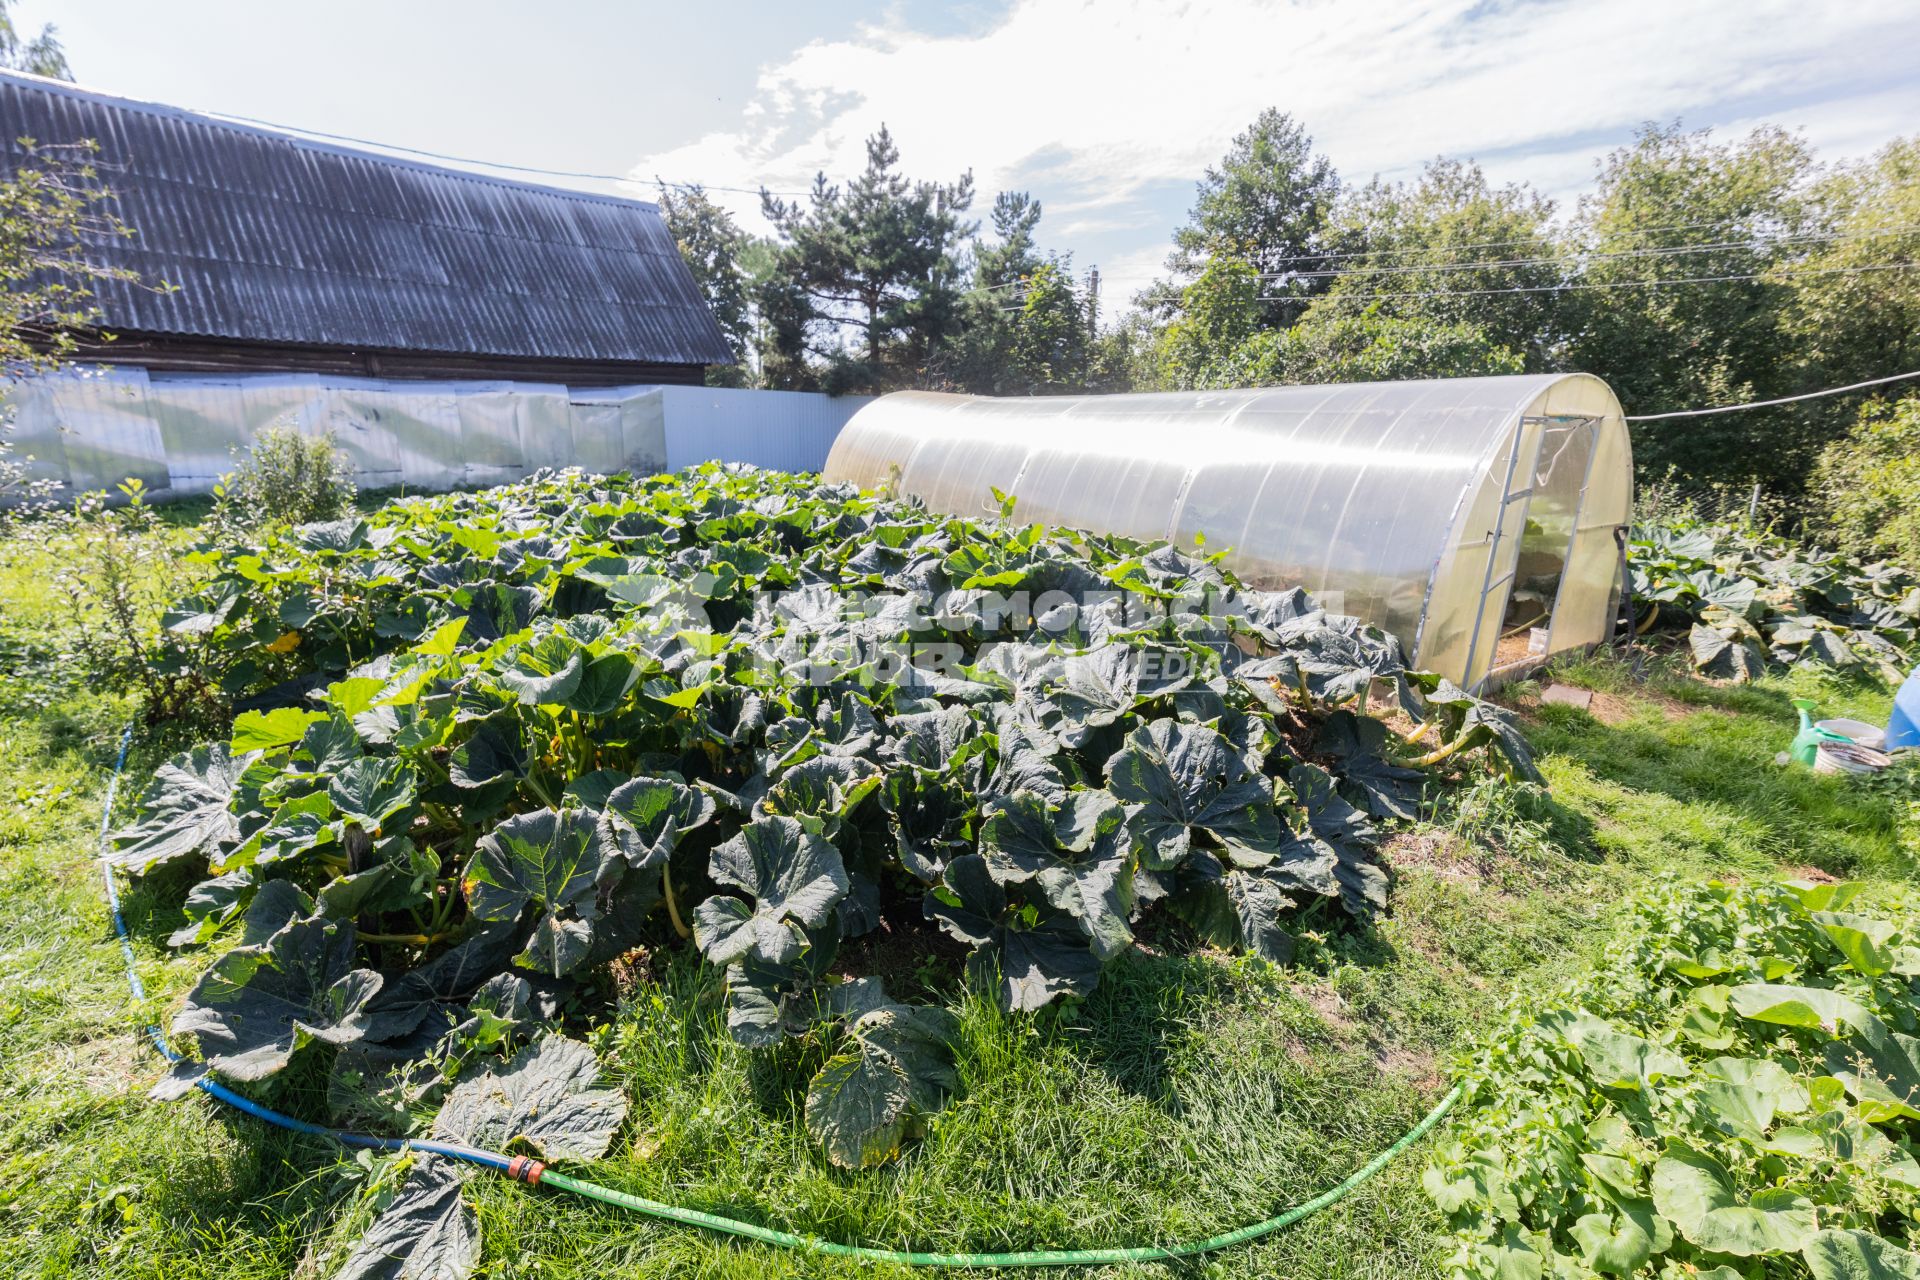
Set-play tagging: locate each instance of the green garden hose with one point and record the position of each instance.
(1030, 1258)
(534, 1173)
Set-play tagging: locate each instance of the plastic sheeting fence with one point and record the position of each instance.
(179, 433)
(1461, 515)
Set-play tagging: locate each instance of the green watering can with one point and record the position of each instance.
(1807, 742)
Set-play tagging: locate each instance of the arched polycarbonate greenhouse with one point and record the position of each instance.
(1474, 518)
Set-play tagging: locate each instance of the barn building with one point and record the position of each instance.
(288, 255)
(448, 329)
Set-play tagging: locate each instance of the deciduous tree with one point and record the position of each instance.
(1452, 249)
(40, 55)
(1723, 216)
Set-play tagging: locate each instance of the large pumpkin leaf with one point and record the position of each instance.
(1234, 908)
(1327, 658)
(297, 827)
(1088, 691)
(1857, 1255)
(1390, 789)
(1338, 830)
(861, 1104)
(1183, 781)
(544, 1097)
(1880, 1068)
(929, 818)
(1867, 943)
(492, 753)
(1026, 758)
(1815, 1008)
(1725, 654)
(1027, 956)
(793, 879)
(1694, 1190)
(1075, 853)
(202, 614)
(546, 671)
(857, 1108)
(266, 730)
(1619, 1060)
(211, 905)
(256, 1006)
(604, 682)
(372, 791)
(427, 1233)
(549, 861)
(934, 741)
(766, 1002)
(644, 818)
(183, 812)
(1613, 1246)
(827, 788)
(406, 1000)
(1499, 728)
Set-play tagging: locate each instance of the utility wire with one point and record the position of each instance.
(1536, 238)
(1761, 404)
(1571, 258)
(487, 164)
(1611, 284)
(1615, 255)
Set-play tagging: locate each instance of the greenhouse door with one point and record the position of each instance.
(1534, 540)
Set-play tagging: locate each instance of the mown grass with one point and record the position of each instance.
(1190, 1095)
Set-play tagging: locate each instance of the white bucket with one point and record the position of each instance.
(1867, 735)
(1848, 757)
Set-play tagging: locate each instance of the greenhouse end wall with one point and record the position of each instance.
(1408, 504)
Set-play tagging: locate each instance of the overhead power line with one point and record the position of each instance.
(1762, 404)
(1611, 284)
(1612, 256)
(1536, 238)
(1574, 257)
(485, 164)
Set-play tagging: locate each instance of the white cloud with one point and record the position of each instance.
(1102, 109)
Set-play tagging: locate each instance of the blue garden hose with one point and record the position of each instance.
(533, 1172)
(473, 1155)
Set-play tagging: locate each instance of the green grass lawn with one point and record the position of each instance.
(1190, 1095)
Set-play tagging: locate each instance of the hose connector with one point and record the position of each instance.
(525, 1169)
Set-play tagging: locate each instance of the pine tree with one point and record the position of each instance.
(712, 244)
(878, 266)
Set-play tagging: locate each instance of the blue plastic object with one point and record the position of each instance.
(1903, 727)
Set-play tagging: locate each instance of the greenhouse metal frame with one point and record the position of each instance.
(1476, 519)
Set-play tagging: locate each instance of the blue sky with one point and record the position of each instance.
(1106, 111)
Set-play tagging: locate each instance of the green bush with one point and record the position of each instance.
(1867, 485)
(1734, 1092)
(117, 574)
(285, 478)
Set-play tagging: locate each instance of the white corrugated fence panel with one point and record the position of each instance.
(89, 429)
(620, 428)
(179, 433)
(783, 430)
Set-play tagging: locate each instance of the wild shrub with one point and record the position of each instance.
(285, 478)
(1867, 486)
(120, 575)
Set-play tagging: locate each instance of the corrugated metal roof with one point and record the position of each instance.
(276, 238)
